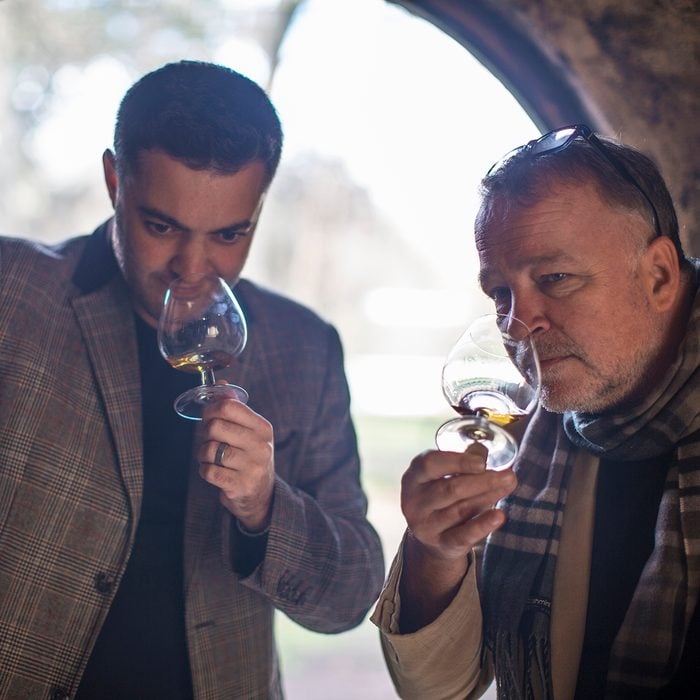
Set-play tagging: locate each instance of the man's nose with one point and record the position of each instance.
(527, 315)
(190, 258)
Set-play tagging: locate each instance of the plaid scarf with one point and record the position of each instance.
(517, 574)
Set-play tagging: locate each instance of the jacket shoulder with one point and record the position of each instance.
(23, 260)
(263, 306)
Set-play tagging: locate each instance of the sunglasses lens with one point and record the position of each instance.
(554, 141)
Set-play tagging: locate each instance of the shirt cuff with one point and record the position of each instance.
(442, 659)
(387, 612)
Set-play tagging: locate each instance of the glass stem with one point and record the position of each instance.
(208, 377)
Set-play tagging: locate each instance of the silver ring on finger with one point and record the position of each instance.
(219, 456)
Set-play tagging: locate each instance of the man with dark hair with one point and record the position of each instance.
(143, 555)
(208, 117)
(587, 583)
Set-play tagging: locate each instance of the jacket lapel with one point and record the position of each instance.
(105, 317)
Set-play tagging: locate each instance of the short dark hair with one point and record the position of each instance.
(203, 114)
(522, 180)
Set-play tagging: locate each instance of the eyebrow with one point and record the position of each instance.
(156, 214)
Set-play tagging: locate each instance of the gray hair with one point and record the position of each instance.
(522, 180)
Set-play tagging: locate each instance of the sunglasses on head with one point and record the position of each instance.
(559, 139)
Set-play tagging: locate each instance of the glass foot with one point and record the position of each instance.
(192, 402)
(458, 434)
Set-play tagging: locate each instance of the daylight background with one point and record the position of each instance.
(389, 126)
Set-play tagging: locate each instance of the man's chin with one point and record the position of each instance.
(575, 402)
(562, 387)
(564, 400)
(552, 406)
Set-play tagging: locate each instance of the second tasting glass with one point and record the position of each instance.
(202, 329)
(491, 378)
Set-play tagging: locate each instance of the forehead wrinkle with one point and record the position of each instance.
(513, 224)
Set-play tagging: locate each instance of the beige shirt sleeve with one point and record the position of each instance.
(441, 661)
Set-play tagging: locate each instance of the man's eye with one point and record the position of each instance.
(554, 277)
(158, 228)
(231, 236)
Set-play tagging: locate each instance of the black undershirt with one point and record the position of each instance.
(141, 651)
(627, 503)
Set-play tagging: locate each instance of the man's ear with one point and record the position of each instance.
(111, 180)
(662, 273)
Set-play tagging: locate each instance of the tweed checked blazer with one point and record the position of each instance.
(71, 481)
